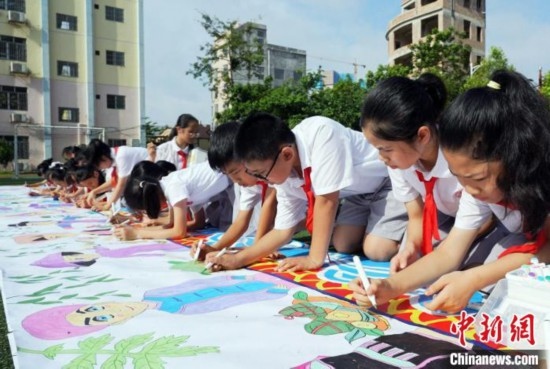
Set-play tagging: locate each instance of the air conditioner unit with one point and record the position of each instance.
(18, 118)
(17, 17)
(65, 25)
(20, 68)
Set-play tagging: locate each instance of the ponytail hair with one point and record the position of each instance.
(143, 190)
(507, 121)
(398, 106)
(183, 121)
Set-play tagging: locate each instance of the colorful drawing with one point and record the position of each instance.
(405, 350)
(330, 316)
(344, 271)
(41, 237)
(139, 349)
(191, 297)
(69, 259)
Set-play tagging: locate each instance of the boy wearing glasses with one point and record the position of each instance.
(221, 157)
(312, 167)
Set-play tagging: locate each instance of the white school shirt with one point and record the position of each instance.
(447, 190)
(169, 151)
(196, 184)
(340, 159)
(126, 157)
(473, 213)
(249, 197)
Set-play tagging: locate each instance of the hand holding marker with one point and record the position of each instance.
(198, 251)
(364, 279)
(210, 264)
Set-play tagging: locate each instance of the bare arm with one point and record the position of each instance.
(268, 213)
(236, 230)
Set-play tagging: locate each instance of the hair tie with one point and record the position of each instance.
(143, 183)
(494, 85)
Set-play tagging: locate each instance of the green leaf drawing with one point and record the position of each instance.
(186, 266)
(149, 357)
(114, 362)
(68, 296)
(46, 290)
(52, 351)
(32, 301)
(93, 344)
(86, 361)
(128, 344)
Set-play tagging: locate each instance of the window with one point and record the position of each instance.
(13, 48)
(17, 5)
(116, 102)
(479, 5)
(279, 73)
(479, 58)
(67, 69)
(297, 75)
(478, 35)
(69, 114)
(13, 98)
(467, 28)
(22, 145)
(466, 3)
(115, 58)
(66, 22)
(114, 14)
(116, 142)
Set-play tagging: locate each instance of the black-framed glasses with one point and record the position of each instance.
(262, 176)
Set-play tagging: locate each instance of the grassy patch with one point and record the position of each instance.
(5, 352)
(7, 179)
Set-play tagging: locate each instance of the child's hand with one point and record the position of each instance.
(224, 262)
(125, 233)
(454, 290)
(297, 264)
(404, 258)
(203, 251)
(381, 289)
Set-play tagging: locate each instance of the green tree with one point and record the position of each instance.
(152, 129)
(444, 54)
(6, 152)
(233, 49)
(386, 71)
(494, 61)
(342, 102)
(545, 87)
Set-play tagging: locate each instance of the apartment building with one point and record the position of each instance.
(280, 62)
(70, 71)
(419, 17)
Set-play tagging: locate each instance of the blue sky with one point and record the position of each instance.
(344, 30)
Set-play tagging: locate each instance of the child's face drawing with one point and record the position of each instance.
(479, 178)
(236, 171)
(395, 154)
(106, 313)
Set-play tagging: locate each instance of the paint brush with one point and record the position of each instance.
(196, 256)
(209, 265)
(363, 277)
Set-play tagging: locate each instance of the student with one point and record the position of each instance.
(180, 144)
(312, 167)
(399, 118)
(191, 187)
(70, 152)
(495, 140)
(120, 160)
(221, 157)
